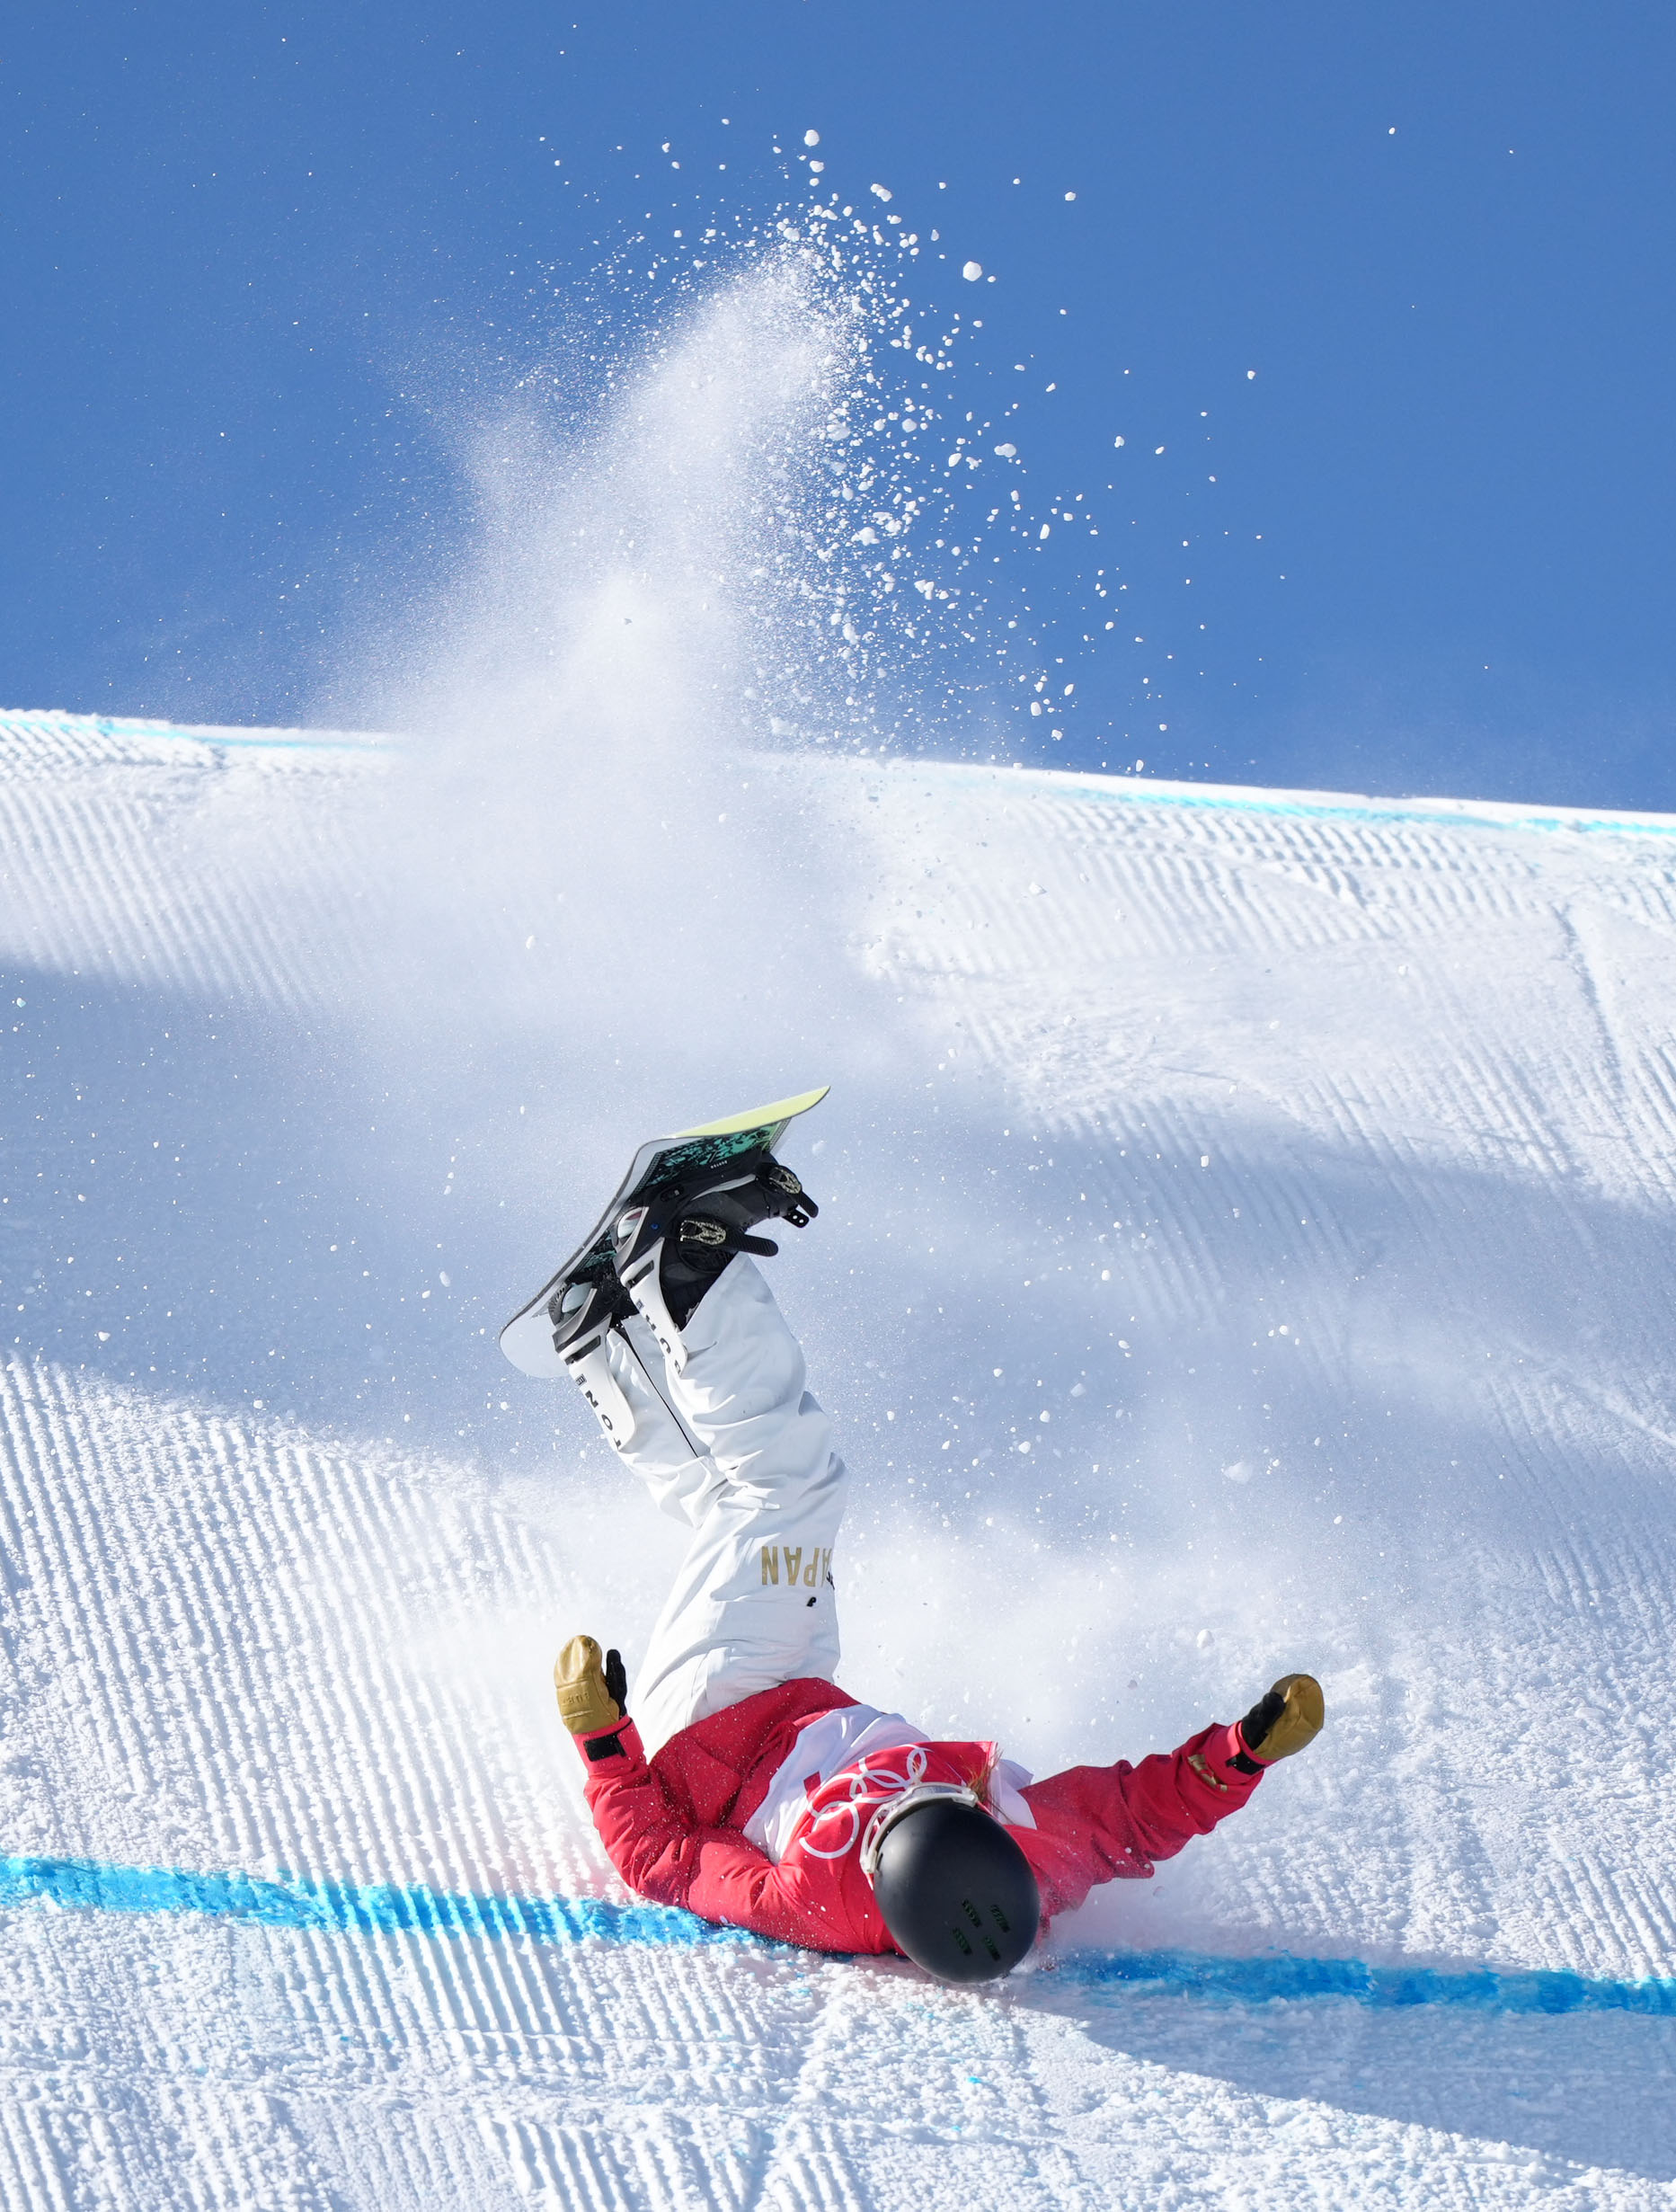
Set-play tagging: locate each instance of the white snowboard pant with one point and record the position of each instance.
(727, 1439)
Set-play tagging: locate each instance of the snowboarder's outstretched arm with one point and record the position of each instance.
(1100, 1823)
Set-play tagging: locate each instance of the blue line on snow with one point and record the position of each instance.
(186, 734)
(1442, 817)
(350, 1907)
(262, 741)
(1112, 789)
(1241, 799)
(293, 1901)
(1255, 1981)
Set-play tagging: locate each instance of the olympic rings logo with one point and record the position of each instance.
(870, 1787)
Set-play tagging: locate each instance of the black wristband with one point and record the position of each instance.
(604, 1747)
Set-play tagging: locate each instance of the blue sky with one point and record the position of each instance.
(1436, 553)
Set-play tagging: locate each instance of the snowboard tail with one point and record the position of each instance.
(659, 1165)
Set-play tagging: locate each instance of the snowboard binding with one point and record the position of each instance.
(667, 1255)
(705, 1191)
(598, 1301)
(583, 1311)
(772, 1193)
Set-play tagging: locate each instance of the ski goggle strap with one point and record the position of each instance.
(895, 1808)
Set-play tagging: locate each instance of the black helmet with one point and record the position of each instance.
(956, 1892)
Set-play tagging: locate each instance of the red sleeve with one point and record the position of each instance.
(713, 1872)
(1097, 1823)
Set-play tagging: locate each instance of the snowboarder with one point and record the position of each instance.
(752, 1790)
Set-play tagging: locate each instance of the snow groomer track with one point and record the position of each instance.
(1247, 1242)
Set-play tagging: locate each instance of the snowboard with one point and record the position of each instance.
(741, 1140)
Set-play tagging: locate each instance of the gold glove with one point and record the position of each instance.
(1285, 1721)
(582, 1676)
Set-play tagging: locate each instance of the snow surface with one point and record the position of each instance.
(1245, 1245)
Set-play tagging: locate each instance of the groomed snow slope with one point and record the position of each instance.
(1247, 1245)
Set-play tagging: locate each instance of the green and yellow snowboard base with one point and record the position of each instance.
(741, 1140)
